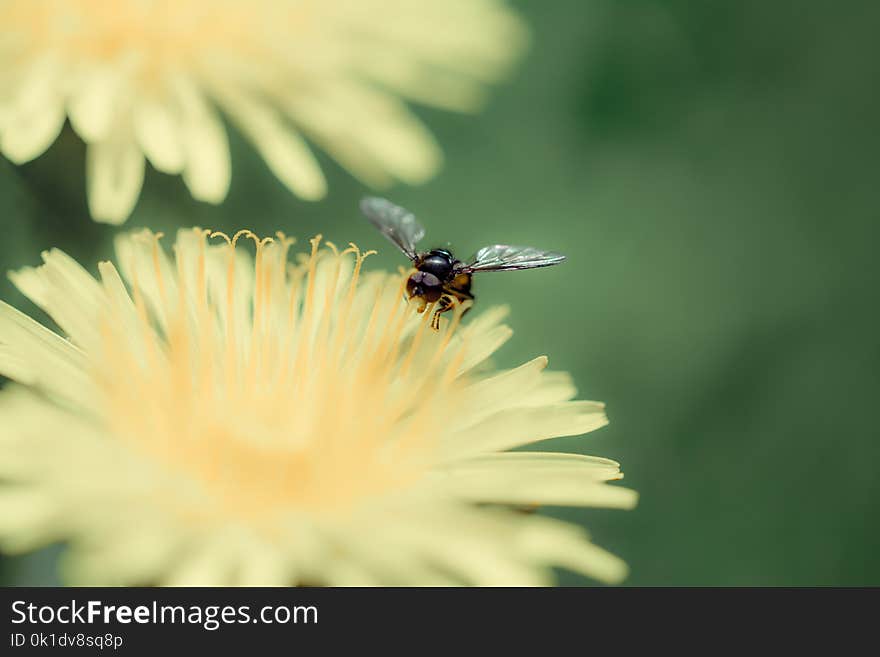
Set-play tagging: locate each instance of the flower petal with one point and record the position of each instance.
(27, 519)
(94, 102)
(148, 269)
(569, 547)
(523, 426)
(206, 148)
(483, 336)
(114, 176)
(527, 385)
(157, 131)
(32, 120)
(29, 134)
(70, 295)
(34, 355)
(472, 545)
(284, 151)
(369, 131)
(545, 479)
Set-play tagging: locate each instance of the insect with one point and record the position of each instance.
(440, 277)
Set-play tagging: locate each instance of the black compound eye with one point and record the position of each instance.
(423, 284)
(428, 279)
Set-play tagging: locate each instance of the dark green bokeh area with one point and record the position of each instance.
(711, 170)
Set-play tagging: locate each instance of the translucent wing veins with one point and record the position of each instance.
(398, 224)
(505, 257)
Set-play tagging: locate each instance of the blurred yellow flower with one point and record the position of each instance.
(221, 418)
(143, 78)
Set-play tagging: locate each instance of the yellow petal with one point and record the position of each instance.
(369, 129)
(158, 134)
(114, 175)
(207, 169)
(72, 297)
(34, 355)
(34, 115)
(27, 519)
(524, 478)
(557, 542)
(29, 132)
(95, 100)
(284, 151)
(524, 426)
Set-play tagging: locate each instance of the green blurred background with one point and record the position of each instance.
(711, 170)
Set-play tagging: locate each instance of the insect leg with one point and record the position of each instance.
(443, 305)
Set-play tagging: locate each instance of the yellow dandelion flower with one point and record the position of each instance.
(232, 415)
(146, 78)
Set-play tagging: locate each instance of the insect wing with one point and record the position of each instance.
(396, 223)
(504, 257)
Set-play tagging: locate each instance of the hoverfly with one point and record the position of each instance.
(440, 277)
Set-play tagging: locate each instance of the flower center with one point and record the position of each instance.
(151, 33)
(270, 385)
